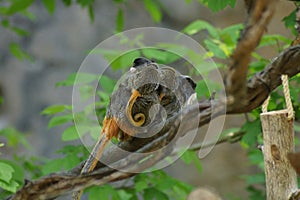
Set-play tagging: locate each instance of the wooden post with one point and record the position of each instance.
(278, 134)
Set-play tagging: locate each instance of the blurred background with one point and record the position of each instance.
(58, 44)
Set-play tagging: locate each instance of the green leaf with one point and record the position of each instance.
(18, 52)
(70, 161)
(140, 183)
(255, 178)
(202, 89)
(187, 157)
(52, 166)
(91, 13)
(59, 120)
(107, 84)
(120, 21)
(84, 3)
(217, 5)
(268, 40)
(104, 98)
(125, 60)
(255, 193)
(72, 149)
(289, 22)
(70, 134)
(1, 100)
(28, 15)
(77, 78)
(200, 25)
(217, 51)
(14, 137)
(124, 195)
(231, 34)
(106, 191)
(297, 127)
(17, 176)
(154, 10)
(119, 1)
(50, 5)
(5, 23)
(20, 31)
(255, 157)
(6, 172)
(12, 186)
(86, 91)
(67, 2)
(154, 194)
(191, 156)
(95, 131)
(160, 56)
(18, 5)
(252, 130)
(51, 110)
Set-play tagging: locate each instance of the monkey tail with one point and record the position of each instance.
(92, 161)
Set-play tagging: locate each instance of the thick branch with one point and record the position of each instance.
(260, 14)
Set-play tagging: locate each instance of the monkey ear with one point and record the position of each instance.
(190, 81)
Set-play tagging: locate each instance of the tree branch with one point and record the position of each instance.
(235, 81)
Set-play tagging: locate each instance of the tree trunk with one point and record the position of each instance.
(278, 134)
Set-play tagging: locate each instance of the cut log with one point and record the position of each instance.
(278, 134)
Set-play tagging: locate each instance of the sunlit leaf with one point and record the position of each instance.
(217, 51)
(17, 176)
(6, 172)
(200, 25)
(51, 110)
(12, 186)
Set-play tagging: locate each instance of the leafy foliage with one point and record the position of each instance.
(217, 5)
(149, 186)
(155, 185)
